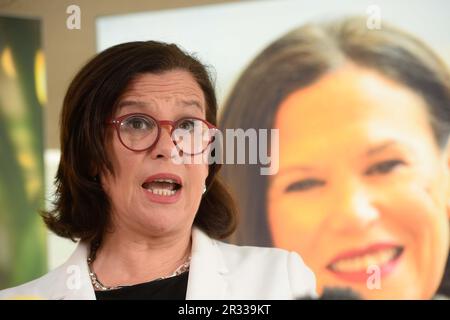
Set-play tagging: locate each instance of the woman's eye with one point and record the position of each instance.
(304, 185)
(383, 167)
(187, 124)
(137, 123)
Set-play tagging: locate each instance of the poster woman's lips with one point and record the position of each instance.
(353, 265)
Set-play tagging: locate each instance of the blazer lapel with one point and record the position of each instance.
(207, 269)
(72, 281)
(206, 273)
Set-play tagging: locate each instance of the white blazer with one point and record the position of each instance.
(218, 271)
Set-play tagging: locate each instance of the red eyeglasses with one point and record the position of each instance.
(139, 132)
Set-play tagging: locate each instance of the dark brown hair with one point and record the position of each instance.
(300, 58)
(82, 208)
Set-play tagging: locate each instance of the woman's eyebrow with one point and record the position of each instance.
(188, 103)
(143, 104)
(288, 170)
(379, 148)
(132, 103)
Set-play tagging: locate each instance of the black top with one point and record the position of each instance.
(173, 288)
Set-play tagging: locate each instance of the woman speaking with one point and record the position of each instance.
(149, 227)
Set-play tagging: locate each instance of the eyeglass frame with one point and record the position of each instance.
(159, 123)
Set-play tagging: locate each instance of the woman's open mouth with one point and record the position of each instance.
(163, 188)
(358, 265)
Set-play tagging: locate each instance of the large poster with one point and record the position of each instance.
(22, 97)
(362, 211)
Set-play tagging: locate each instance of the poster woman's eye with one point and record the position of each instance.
(384, 167)
(304, 185)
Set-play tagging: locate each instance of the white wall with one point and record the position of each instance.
(58, 249)
(228, 36)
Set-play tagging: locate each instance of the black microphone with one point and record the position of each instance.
(334, 293)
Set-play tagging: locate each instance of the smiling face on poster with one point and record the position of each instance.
(365, 199)
(362, 189)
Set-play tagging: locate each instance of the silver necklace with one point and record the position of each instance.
(101, 287)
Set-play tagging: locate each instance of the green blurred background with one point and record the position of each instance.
(22, 97)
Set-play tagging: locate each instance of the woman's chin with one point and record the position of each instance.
(387, 292)
(154, 220)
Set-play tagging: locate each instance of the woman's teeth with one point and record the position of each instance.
(162, 192)
(162, 187)
(361, 263)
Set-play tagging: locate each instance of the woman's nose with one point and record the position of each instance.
(164, 147)
(352, 210)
